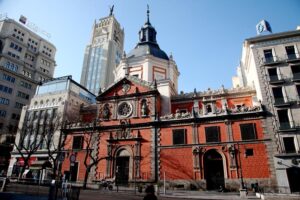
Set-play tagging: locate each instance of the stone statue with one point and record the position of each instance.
(105, 112)
(111, 10)
(144, 108)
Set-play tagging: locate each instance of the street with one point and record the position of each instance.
(106, 195)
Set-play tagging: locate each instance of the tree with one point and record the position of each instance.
(91, 156)
(54, 142)
(29, 138)
(41, 131)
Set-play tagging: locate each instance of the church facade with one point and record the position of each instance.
(142, 131)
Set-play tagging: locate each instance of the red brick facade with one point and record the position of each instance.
(208, 140)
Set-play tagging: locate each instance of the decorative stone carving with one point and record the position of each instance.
(243, 109)
(125, 88)
(178, 115)
(125, 109)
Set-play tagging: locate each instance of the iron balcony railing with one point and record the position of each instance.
(280, 101)
(286, 125)
(275, 79)
(293, 56)
(296, 76)
(271, 60)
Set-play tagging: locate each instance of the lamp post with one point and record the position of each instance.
(240, 166)
(117, 177)
(233, 152)
(135, 172)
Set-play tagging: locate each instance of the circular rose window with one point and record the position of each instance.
(124, 109)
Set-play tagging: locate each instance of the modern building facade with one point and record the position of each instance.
(26, 59)
(102, 54)
(144, 131)
(271, 64)
(55, 102)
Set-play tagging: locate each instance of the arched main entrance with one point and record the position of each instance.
(213, 170)
(122, 167)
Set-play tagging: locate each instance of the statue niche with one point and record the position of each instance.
(144, 108)
(105, 112)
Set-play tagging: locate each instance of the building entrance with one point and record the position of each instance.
(213, 170)
(122, 173)
(293, 174)
(73, 171)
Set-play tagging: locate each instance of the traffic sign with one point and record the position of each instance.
(72, 158)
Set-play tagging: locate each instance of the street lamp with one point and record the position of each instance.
(233, 152)
(117, 177)
(240, 166)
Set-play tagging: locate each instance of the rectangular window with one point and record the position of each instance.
(5, 89)
(290, 51)
(268, 56)
(179, 136)
(4, 101)
(15, 116)
(19, 105)
(248, 152)
(284, 120)
(273, 74)
(278, 95)
(77, 142)
(26, 85)
(248, 131)
(13, 55)
(8, 78)
(26, 73)
(23, 95)
(296, 71)
(2, 113)
(298, 90)
(289, 145)
(11, 66)
(212, 134)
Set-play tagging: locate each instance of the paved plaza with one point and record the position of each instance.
(34, 192)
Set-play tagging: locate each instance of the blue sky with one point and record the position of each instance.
(204, 36)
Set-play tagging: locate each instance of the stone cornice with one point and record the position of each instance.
(153, 92)
(213, 94)
(79, 127)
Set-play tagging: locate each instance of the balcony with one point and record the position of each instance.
(287, 126)
(270, 61)
(291, 58)
(275, 80)
(281, 102)
(296, 77)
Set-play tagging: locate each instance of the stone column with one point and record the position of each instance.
(137, 158)
(108, 161)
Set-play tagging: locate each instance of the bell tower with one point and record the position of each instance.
(149, 63)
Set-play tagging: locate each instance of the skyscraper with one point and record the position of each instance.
(103, 54)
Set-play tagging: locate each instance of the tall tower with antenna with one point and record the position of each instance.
(102, 54)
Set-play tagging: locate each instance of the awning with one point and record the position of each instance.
(21, 161)
(40, 164)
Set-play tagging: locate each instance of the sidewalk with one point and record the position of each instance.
(204, 195)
